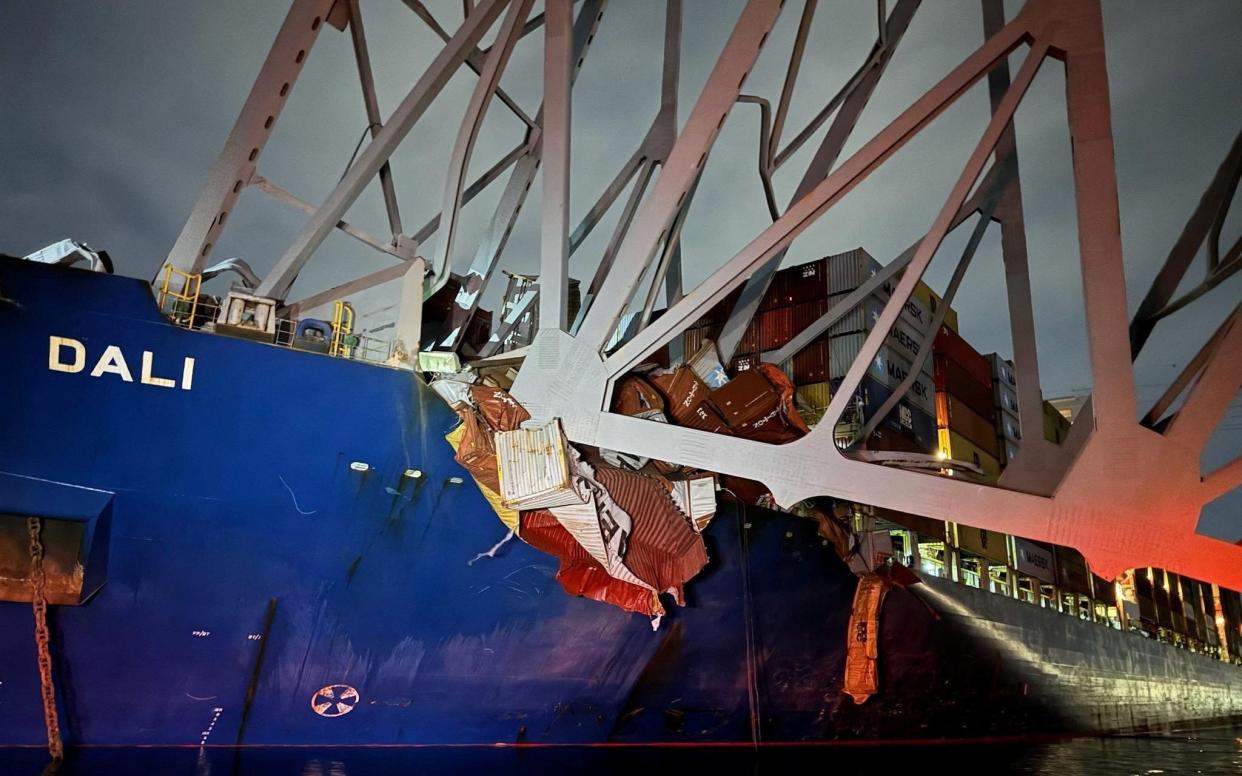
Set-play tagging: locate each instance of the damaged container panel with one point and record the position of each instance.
(688, 401)
(696, 497)
(534, 468)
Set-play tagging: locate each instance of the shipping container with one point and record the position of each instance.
(773, 328)
(694, 337)
(806, 313)
(743, 362)
(805, 282)
(892, 441)
(810, 365)
(814, 395)
(1005, 396)
(1056, 425)
(904, 338)
(849, 270)
(1144, 592)
(953, 415)
(1002, 370)
(1035, 560)
(860, 318)
(905, 417)
(888, 367)
(949, 344)
(1008, 451)
(984, 543)
(1164, 617)
(1072, 575)
(953, 378)
(959, 448)
(924, 294)
(1007, 427)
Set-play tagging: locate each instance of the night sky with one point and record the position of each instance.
(113, 114)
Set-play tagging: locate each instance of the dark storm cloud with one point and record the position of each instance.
(113, 114)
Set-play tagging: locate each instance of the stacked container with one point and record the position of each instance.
(1005, 401)
(800, 295)
(964, 398)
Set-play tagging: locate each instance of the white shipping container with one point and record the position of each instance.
(1005, 396)
(1007, 427)
(533, 466)
(1002, 370)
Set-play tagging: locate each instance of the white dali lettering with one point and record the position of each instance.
(66, 354)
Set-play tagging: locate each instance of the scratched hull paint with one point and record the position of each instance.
(259, 535)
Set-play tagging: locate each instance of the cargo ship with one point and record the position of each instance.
(232, 518)
(254, 541)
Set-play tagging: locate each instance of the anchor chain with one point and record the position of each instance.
(38, 584)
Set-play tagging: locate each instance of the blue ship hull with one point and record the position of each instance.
(247, 560)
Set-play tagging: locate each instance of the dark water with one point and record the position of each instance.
(1206, 752)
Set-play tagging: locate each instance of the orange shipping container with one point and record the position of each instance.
(952, 414)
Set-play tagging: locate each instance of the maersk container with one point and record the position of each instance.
(903, 337)
(849, 270)
(913, 313)
(888, 367)
(905, 417)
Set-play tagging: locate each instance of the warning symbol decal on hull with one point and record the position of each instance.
(334, 700)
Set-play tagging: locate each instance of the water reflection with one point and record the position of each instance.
(1207, 752)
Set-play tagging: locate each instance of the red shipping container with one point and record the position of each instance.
(773, 328)
(688, 402)
(810, 365)
(806, 313)
(953, 378)
(806, 282)
(951, 345)
(743, 362)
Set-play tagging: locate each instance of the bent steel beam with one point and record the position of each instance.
(399, 124)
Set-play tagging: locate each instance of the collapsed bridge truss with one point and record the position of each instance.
(1126, 488)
